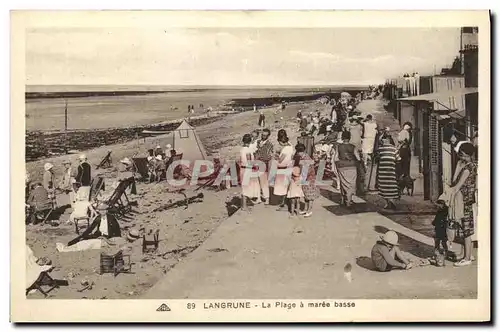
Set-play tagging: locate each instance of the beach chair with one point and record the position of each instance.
(37, 276)
(115, 202)
(96, 185)
(141, 167)
(106, 161)
(210, 180)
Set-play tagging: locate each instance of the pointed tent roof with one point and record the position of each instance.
(183, 139)
(184, 126)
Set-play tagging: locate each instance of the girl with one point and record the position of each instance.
(309, 188)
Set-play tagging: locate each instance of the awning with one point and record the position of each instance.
(453, 115)
(436, 96)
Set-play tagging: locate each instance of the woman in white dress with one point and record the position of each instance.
(250, 187)
(285, 161)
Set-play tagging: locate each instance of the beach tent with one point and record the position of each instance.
(184, 139)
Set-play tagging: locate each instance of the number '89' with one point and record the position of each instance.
(191, 305)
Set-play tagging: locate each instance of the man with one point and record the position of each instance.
(264, 153)
(83, 177)
(104, 224)
(38, 201)
(48, 178)
(67, 182)
(386, 254)
(262, 119)
(368, 139)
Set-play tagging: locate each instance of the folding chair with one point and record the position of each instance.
(96, 185)
(106, 161)
(141, 167)
(116, 203)
(43, 212)
(46, 280)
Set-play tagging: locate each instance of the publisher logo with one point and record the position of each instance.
(163, 307)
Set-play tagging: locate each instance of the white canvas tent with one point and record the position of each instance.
(183, 139)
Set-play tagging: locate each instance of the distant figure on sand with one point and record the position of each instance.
(262, 119)
(264, 154)
(386, 254)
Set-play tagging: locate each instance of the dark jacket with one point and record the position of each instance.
(84, 177)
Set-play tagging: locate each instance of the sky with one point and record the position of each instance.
(239, 56)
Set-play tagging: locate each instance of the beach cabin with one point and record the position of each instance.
(430, 113)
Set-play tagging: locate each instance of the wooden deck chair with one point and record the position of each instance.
(115, 202)
(210, 180)
(46, 280)
(96, 185)
(106, 161)
(141, 167)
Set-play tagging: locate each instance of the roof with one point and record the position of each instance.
(436, 96)
(184, 126)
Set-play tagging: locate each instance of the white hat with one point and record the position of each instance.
(349, 107)
(83, 157)
(126, 161)
(329, 128)
(390, 237)
(48, 166)
(159, 157)
(150, 158)
(158, 147)
(168, 146)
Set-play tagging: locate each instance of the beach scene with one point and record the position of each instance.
(215, 239)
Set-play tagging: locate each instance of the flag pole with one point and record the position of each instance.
(66, 126)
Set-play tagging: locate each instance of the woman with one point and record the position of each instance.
(346, 158)
(309, 188)
(462, 198)
(285, 160)
(404, 139)
(249, 184)
(386, 172)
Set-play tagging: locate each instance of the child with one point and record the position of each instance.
(308, 186)
(294, 188)
(440, 223)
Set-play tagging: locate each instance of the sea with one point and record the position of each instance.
(111, 106)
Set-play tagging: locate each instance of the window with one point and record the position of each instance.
(183, 133)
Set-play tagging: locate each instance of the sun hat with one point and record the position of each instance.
(126, 161)
(158, 147)
(168, 146)
(102, 206)
(133, 235)
(48, 166)
(390, 237)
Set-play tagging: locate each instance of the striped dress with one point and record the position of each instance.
(386, 172)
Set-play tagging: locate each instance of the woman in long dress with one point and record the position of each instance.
(285, 161)
(250, 187)
(404, 139)
(346, 159)
(462, 198)
(386, 172)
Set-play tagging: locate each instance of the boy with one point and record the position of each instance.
(440, 238)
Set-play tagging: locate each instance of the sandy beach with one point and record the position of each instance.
(183, 231)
